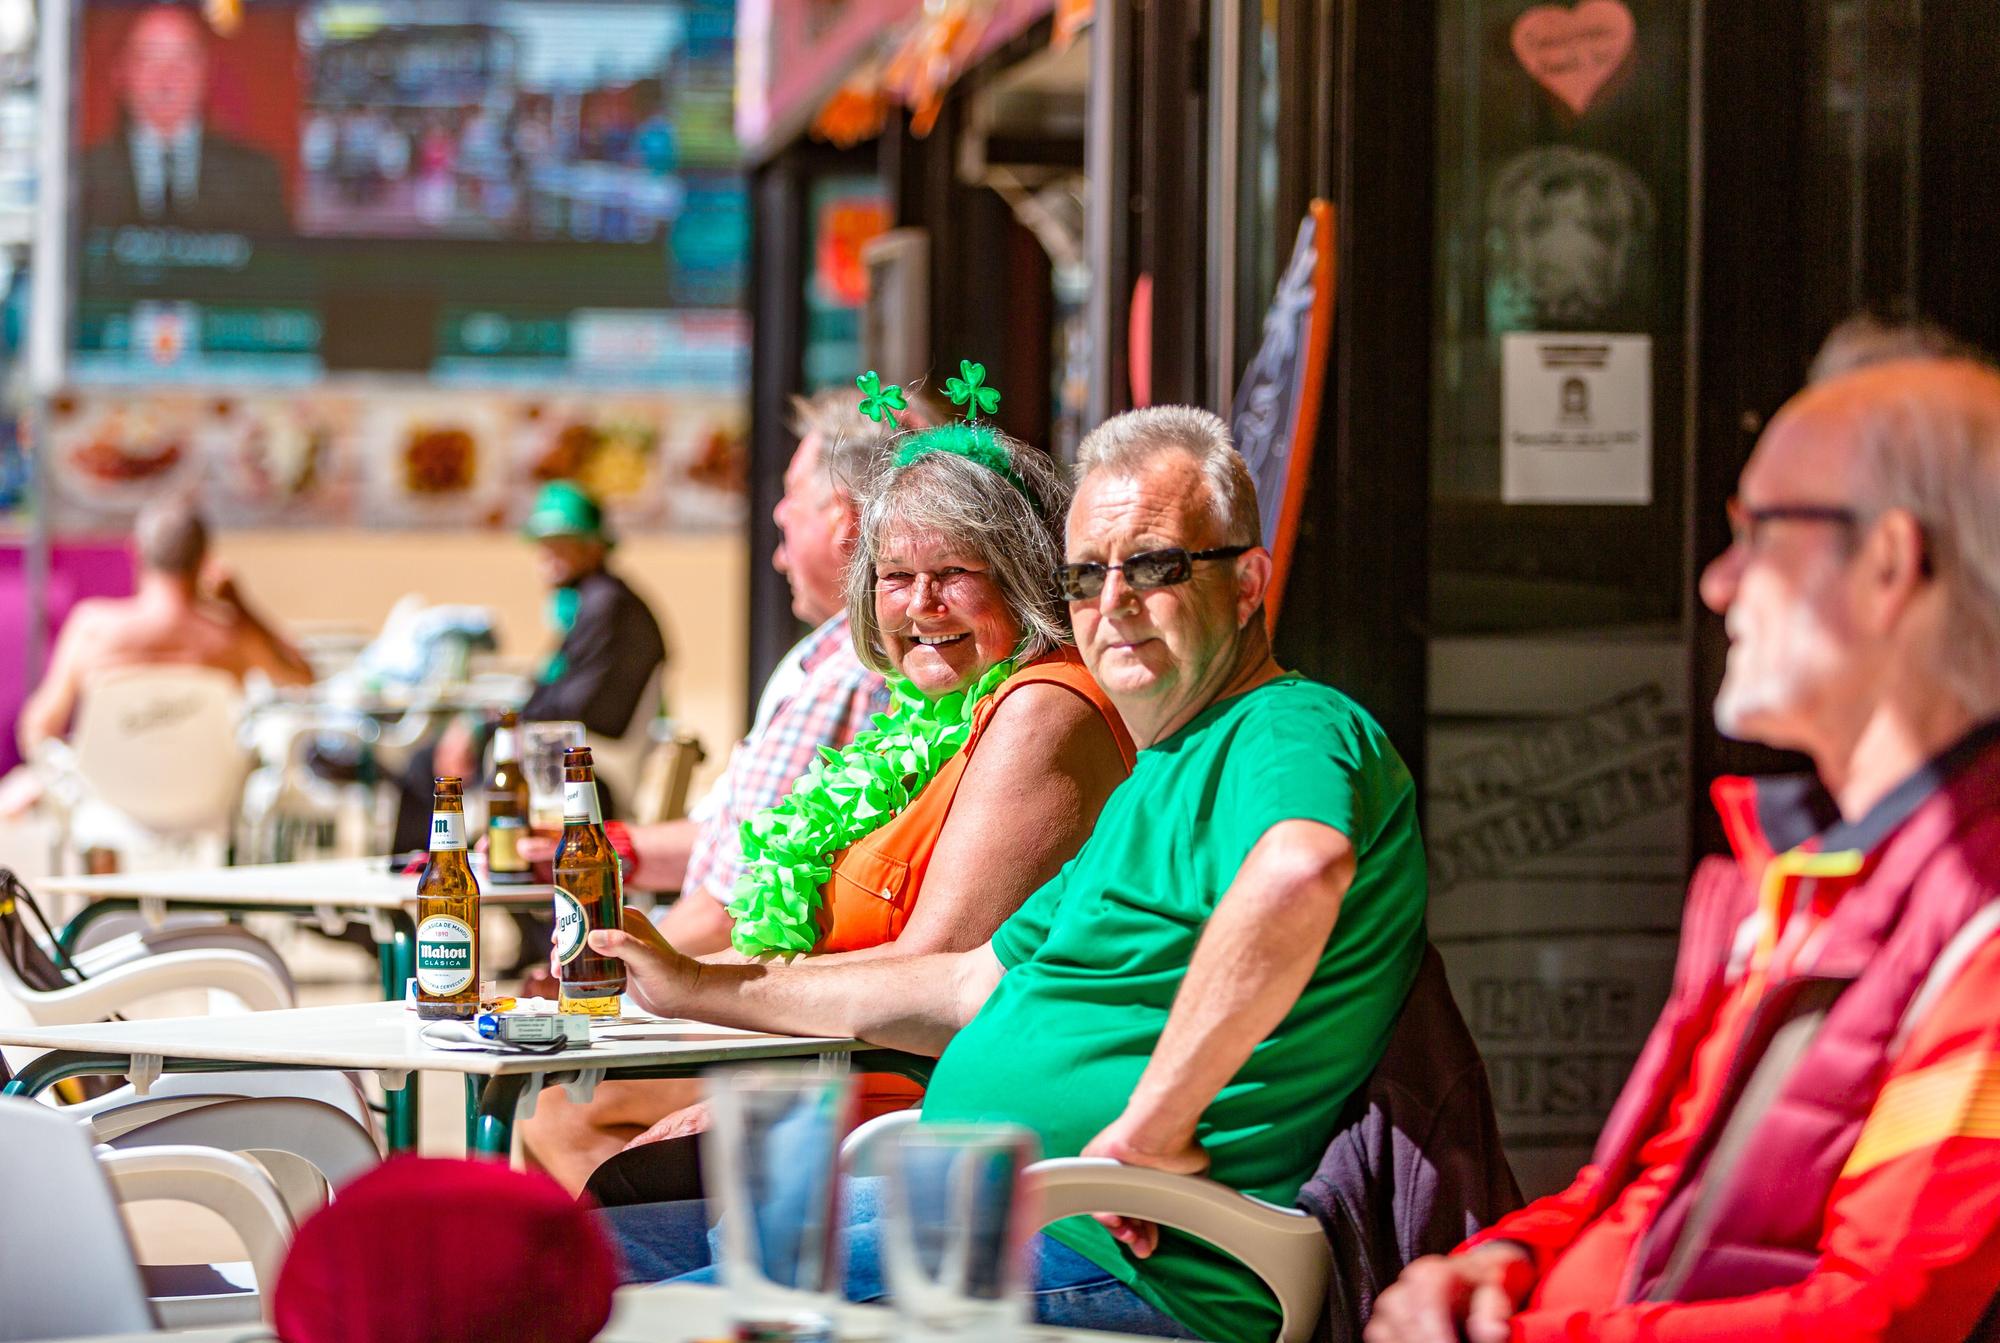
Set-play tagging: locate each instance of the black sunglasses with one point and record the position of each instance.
(1152, 569)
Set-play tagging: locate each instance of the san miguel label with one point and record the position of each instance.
(571, 926)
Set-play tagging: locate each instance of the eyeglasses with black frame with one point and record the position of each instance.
(1745, 520)
(1163, 568)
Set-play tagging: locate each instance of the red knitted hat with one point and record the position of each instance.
(430, 1251)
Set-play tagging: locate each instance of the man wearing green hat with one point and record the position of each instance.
(611, 646)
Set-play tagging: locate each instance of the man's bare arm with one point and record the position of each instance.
(1254, 959)
(47, 711)
(914, 1004)
(265, 648)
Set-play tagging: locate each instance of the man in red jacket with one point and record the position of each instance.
(1809, 1145)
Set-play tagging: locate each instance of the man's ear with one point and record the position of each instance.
(1253, 580)
(846, 523)
(1897, 564)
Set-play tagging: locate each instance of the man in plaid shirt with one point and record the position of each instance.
(819, 695)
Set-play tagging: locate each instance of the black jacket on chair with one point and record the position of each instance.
(1416, 1165)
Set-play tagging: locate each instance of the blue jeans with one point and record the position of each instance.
(660, 1241)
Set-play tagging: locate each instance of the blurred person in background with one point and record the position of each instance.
(818, 695)
(164, 165)
(611, 647)
(1809, 1146)
(187, 611)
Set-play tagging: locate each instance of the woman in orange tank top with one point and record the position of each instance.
(951, 596)
(989, 771)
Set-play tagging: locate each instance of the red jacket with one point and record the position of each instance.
(1865, 1204)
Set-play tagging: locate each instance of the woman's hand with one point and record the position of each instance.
(680, 1124)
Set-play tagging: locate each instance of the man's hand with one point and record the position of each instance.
(536, 850)
(455, 755)
(220, 586)
(1126, 1142)
(660, 978)
(1438, 1294)
(684, 1123)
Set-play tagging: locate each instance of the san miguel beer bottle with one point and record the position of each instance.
(589, 894)
(447, 914)
(506, 808)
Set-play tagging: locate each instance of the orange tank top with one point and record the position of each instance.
(878, 879)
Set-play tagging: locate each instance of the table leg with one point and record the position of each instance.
(493, 1125)
(473, 1086)
(397, 956)
(70, 933)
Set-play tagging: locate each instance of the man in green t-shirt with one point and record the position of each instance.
(1217, 970)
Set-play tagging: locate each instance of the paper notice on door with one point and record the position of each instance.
(1577, 419)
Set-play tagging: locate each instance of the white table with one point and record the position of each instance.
(382, 1038)
(674, 1315)
(333, 888)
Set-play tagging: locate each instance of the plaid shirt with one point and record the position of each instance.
(837, 699)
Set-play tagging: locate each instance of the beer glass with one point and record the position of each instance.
(956, 1222)
(773, 1149)
(542, 747)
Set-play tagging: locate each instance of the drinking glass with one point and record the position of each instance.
(542, 747)
(956, 1222)
(773, 1146)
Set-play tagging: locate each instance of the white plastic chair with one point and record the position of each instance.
(66, 1264)
(153, 763)
(1283, 1246)
(234, 975)
(308, 1148)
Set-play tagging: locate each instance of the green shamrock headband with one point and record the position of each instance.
(968, 438)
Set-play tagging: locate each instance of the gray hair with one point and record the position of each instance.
(1864, 340)
(1937, 456)
(970, 505)
(1127, 443)
(170, 537)
(849, 442)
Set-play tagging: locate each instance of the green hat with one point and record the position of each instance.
(564, 509)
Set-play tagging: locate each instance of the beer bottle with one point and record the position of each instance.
(506, 807)
(590, 893)
(447, 914)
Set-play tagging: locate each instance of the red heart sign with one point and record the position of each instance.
(1572, 52)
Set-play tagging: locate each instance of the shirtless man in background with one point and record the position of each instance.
(179, 616)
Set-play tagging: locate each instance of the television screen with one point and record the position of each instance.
(484, 192)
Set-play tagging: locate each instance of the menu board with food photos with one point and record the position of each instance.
(396, 458)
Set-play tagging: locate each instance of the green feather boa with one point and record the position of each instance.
(847, 795)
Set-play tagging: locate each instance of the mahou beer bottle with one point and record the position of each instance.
(506, 807)
(447, 914)
(589, 894)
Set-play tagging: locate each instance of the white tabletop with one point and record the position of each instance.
(339, 883)
(382, 1037)
(672, 1315)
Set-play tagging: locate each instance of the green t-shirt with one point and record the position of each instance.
(1094, 958)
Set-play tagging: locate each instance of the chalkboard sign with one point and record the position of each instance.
(1276, 412)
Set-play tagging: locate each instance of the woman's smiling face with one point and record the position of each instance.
(943, 619)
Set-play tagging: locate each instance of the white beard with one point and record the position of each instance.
(1772, 671)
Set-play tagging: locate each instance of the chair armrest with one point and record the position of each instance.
(95, 958)
(860, 1150)
(1283, 1246)
(237, 973)
(228, 1185)
(108, 1123)
(305, 1146)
